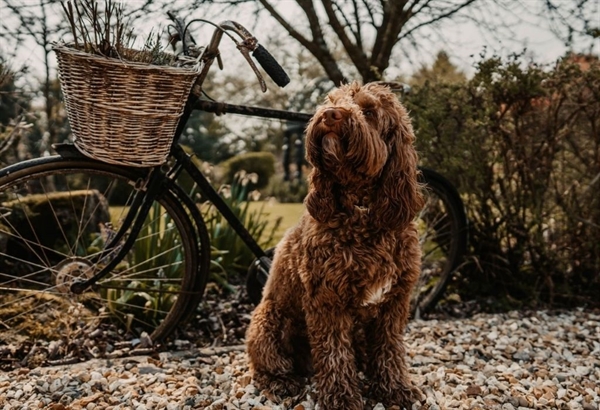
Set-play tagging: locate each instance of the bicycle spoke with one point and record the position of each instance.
(36, 308)
(58, 222)
(21, 277)
(29, 293)
(31, 243)
(81, 225)
(431, 251)
(134, 273)
(24, 239)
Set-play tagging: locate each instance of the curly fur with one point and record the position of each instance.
(337, 298)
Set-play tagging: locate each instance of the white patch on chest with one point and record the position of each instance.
(376, 294)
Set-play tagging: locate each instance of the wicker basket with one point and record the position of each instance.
(122, 112)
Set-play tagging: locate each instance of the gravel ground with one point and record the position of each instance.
(509, 361)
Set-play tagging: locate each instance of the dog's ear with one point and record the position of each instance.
(320, 201)
(400, 197)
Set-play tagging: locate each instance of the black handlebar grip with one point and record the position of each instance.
(271, 66)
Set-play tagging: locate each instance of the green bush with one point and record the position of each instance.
(287, 191)
(260, 163)
(522, 145)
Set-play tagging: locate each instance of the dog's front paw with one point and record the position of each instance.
(403, 397)
(277, 387)
(342, 402)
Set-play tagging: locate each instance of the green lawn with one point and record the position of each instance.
(289, 214)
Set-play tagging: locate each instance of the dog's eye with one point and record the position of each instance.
(369, 113)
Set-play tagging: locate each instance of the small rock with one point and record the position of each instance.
(561, 377)
(521, 355)
(523, 402)
(474, 390)
(582, 370)
(492, 335)
(244, 380)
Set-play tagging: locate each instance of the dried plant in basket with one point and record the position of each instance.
(107, 32)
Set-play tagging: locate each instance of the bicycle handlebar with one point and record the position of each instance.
(248, 44)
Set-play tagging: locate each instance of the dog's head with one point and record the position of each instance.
(362, 136)
(351, 135)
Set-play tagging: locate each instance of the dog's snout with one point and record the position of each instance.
(332, 116)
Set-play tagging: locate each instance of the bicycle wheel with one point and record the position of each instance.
(55, 216)
(442, 227)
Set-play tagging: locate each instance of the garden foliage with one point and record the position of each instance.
(260, 163)
(230, 254)
(293, 191)
(522, 145)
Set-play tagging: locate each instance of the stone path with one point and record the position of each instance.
(507, 361)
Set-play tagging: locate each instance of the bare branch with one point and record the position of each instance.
(357, 22)
(436, 18)
(393, 20)
(317, 45)
(355, 53)
(348, 24)
(14, 135)
(370, 12)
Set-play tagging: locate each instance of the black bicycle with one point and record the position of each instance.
(95, 241)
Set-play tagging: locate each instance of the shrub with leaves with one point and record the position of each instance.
(522, 144)
(260, 163)
(293, 191)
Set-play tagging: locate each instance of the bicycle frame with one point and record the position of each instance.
(182, 162)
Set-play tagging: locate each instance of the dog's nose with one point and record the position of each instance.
(332, 116)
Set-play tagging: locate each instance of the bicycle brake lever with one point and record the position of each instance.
(239, 29)
(248, 44)
(246, 53)
(264, 58)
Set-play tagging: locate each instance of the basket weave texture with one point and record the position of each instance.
(122, 112)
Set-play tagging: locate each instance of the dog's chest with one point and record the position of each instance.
(376, 293)
(377, 278)
(363, 269)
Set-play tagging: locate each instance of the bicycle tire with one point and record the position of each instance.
(56, 213)
(254, 281)
(443, 237)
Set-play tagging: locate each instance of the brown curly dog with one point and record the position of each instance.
(337, 298)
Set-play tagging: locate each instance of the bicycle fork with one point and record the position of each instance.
(137, 214)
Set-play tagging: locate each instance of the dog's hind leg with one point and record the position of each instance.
(270, 352)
